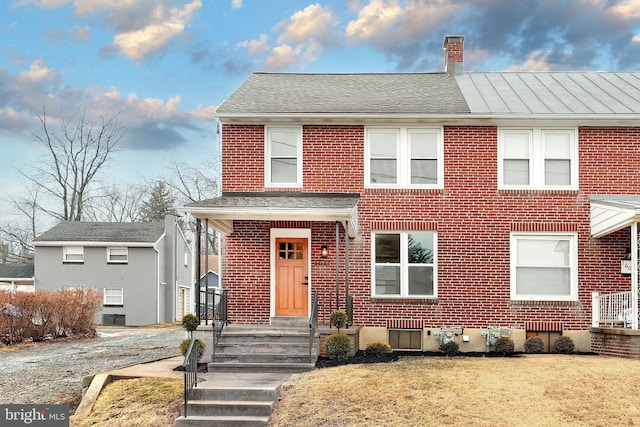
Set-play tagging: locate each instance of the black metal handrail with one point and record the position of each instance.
(220, 319)
(190, 369)
(313, 325)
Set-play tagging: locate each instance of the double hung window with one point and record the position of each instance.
(538, 158)
(404, 264)
(117, 255)
(72, 254)
(404, 157)
(283, 156)
(544, 266)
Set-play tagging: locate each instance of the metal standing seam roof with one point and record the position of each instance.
(548, 93)
(124, 232)
(365, 93)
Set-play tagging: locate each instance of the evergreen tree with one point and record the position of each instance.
(159, 203)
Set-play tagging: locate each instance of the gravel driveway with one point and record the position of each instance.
(52, 372)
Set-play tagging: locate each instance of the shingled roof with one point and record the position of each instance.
(377, 93)
(117, 232)
(16, 271)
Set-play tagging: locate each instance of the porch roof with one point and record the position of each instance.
(277, 206)
(610, 213)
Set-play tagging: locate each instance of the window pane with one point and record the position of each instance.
(424, 145)
(557, 145)
(424, 171)
(543, 281)
(387, 280)
(516, 145)
(383, 144)
(383, 171)
(284, 170)
(516, 172)
(387, 248)
(557, 172)
(420, 280)
(284, 144)
(420, 248)
(543, 252)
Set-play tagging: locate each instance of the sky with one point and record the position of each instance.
(165, 65)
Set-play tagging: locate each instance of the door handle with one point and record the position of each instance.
(306, 281)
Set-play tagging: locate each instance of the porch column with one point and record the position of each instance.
(634, 275)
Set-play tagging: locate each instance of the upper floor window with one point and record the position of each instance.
(404, 157)
(538, 158)
(283, 156)
(72, 254)
(404, 264)
(117, 255)
(544, 266)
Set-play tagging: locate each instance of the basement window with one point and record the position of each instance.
(405, 339)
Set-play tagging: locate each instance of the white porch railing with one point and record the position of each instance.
(612, 309)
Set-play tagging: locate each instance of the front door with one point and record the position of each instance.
(292, 278)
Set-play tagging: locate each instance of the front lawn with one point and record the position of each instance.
(529, 390)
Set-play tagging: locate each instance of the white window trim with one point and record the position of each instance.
(573, 266)
(267, 157)
(67, 250)
(403, 157)
(121, 296)
(404, 265)
(112, 261)
(537, 158)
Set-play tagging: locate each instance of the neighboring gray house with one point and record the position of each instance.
(143, 269)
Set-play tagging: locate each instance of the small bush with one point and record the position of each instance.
(339, 319)
(338, 347)
(450, 348)
(563, 345)
(534, 345)
(377, 349)
(503, 346)
(190, 322)
(198, 347)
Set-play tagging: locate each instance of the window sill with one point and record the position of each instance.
(118, 262)
(554, 303)
(113, 305)
(533, 191)
(405, 300)
(73, 262)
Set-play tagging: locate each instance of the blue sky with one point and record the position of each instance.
(164, 65)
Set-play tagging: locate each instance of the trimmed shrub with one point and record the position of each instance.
(377, 349)
(503, 346)
(190, 323)
(450, 348)
(339, 319)
(563, 345)
(338, 347)
(533, 345)
(198, 347)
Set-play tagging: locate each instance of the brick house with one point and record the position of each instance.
(433, 205)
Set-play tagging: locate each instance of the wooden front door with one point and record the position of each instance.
(292, 278)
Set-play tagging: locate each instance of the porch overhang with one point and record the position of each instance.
(276, 206)
(610, 213)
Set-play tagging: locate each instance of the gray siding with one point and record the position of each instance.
(137, 278)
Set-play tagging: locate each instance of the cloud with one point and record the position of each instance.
(24, 94)
(256, 47)
(236, 4)
(301, 38)
(45, 4)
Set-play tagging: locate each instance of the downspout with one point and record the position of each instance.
(206, 273)
(198, 265)
(176, 295)
(634, 275)
(155, 248)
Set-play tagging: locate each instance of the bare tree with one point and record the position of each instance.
(76, 151)
(19, 234)
(116, 204)
(193, 184)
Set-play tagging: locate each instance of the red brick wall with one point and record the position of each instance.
(472, 217)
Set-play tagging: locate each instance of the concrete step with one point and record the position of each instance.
(245, 357)
(219, 421)
(269, 347)
(256, 394)
(226, 408)
(274, 367)
(301, 322)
